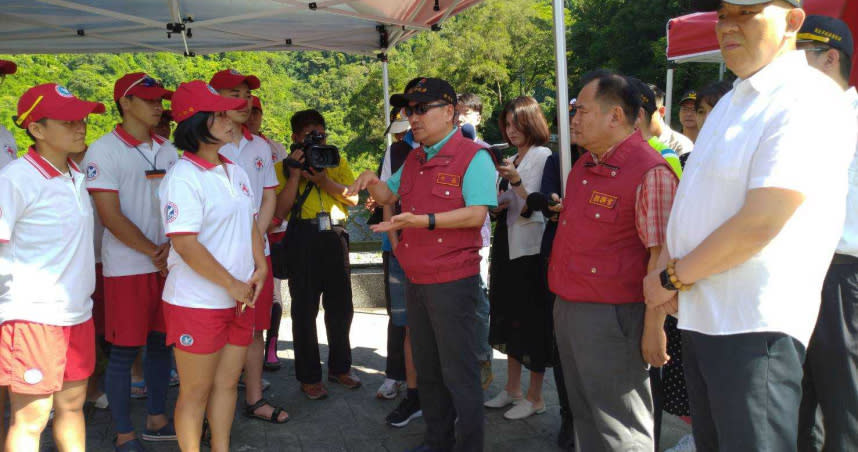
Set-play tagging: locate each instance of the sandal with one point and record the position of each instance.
(250, 411)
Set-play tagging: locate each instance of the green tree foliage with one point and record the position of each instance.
(498, 50)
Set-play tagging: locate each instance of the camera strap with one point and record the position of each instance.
(299, 202)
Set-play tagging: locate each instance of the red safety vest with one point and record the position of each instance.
(597, 255)
(435, 186)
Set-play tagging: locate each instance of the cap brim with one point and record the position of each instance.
(401, 100)
(686, 99)
(74, 110)
(8, 67)
(225, 104)
(151, 92)
(397, 127)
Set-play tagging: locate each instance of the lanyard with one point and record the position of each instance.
(152, 164)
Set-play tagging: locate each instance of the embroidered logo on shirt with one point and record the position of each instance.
(171, 212)
(91, 171)
(601, 199)
(187, 340)
(448, 179)
(244, 189)
(9, 150)
(33, 376)
(258, 164)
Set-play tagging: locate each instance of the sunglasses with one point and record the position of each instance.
(421, 109)
(145, 81)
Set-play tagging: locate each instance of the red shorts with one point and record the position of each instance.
(263, 304)
(132, 308)
(204, 331)
(98, 302)
(36, 358)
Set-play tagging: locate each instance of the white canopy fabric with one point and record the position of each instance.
(114, 26)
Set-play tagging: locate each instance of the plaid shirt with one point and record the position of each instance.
(653, 200)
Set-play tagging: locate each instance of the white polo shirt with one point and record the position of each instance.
(254, 156)
(788, 126)
(849, 240)
(118, 162)
(216, 204)
(8, 149)
(47, 268)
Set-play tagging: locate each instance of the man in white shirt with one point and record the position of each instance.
(660, 127)
(123, 171)
(831, 369)
(754, 224)
(8, 149)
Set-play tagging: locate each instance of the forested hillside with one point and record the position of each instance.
(499, 50)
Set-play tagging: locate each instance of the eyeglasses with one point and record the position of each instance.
(816, 49)
(421, 109)
(146, 81)
(572, 112)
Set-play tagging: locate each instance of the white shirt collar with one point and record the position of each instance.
(773, 74)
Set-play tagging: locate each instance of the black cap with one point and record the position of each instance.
(689, 95)
(647, 96)
(829, 31)
(426, 90)
(712, 5)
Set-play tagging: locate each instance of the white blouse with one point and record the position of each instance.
(525, 234)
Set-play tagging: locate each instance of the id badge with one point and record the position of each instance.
(155, 174)
(324, 221)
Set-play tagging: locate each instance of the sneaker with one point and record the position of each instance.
(501, 400)
(486, 375)
(407, 410)
(348, 379)
(165, 433)
(314, 391)
(138, 390)
(389, 389)
(686, 444)
(101, 402)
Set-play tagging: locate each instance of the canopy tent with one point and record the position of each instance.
(207, 26)
(691, 38)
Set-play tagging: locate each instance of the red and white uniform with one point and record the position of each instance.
(216, 203)
(254, 155)
(8, 149)
(117, 162)
(48, 272)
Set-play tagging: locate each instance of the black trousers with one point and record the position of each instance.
(744, 390)
(395, 366)
(319, 266)
(442, 318)
(830, 381)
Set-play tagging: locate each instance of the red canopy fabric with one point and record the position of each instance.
(691, 38)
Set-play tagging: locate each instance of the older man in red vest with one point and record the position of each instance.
(446, 187)
(612, 225)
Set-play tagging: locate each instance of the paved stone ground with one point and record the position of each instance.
(353, 420)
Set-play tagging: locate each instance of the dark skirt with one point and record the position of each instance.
(672, 375)
(521, 324)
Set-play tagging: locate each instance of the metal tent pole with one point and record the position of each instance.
(562, 91)
(386, 84)
(668, 98)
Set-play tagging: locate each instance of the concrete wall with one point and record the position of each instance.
(367, 288)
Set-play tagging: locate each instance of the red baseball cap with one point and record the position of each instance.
(193, 97)
(230, 78)
(141, 85)
(53, 101)
(8, 67)
(256, 103)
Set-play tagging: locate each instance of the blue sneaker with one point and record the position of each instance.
(166, 433)
(131, 446)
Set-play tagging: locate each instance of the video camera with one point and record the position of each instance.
(317, 155)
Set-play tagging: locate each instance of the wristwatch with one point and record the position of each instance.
(431, 221)
(666, 282)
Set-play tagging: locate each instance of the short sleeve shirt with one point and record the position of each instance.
(117, 162)
(47, 263)
(8, 149)
(319, 200)
(757, 137)
(478, 186)
(216, 203)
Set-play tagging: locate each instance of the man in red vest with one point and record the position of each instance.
(611, 228)
(445, 187)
